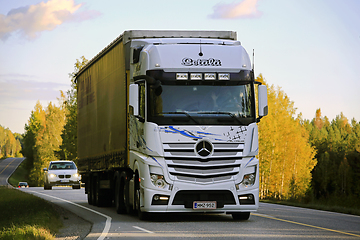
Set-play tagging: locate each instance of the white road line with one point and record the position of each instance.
(142, 229)
(108, 219)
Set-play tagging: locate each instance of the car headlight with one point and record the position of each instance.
(76, 175)
(157, 180)
(51, 175)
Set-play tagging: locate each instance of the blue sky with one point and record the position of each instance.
(310, 48)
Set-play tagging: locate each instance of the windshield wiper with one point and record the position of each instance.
(224, 113)
(187, 114)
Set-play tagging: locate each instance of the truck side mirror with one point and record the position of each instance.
(133, 98)
(263, 104)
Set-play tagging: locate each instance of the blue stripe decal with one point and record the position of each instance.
(184, 133)
(157, 162)
(249, 161)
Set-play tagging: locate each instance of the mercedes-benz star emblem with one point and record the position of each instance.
(204, 148)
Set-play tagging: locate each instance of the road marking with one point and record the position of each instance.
(108, 219)
(7, 166)
(303, 224)
(142, 229)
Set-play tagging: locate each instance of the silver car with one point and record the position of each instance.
(61, 173)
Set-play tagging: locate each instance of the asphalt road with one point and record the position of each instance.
(270, 222)
(7, 167)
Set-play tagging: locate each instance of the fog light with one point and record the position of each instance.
(247, 199)
(160, 200)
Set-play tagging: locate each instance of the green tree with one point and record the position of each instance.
(69, 133)
(43, 138)
(286, 157)
(336, 176)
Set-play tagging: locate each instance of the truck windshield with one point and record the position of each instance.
(195, 103)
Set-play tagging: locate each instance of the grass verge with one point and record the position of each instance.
(25, 216)
(318, 205)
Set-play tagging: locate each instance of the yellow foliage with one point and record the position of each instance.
(285, 154)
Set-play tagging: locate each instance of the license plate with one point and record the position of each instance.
(64, 180)
(204, 205)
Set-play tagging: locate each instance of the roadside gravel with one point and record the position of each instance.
(74, 227)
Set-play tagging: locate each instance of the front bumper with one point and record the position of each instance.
(183, 195)
(64, 183)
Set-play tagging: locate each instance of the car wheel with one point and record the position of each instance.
(47, 187)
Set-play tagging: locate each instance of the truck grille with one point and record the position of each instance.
(186, 161)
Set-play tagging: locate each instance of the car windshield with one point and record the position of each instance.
(62, 166)
(203, 99)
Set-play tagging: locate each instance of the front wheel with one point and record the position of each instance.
(142, 215)
(242, 216)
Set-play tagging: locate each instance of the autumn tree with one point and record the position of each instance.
(42, 138)
(69, 133)
(10, 145)
(286, 157)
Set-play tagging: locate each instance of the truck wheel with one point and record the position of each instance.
(91, 192)
(142, 215)
(242, 216)
(119, 195)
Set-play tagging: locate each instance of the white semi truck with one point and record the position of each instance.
(167, 122)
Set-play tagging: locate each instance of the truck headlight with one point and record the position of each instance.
(249, 180)
(157, 180)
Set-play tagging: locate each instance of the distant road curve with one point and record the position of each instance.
(7, 168)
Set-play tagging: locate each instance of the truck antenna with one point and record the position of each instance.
(200, 53)
(253, 60)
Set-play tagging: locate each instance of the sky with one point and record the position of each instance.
(309, 48)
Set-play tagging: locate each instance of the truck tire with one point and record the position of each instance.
(119, 194)
(102, 196)
(242, 216)
(142, 215)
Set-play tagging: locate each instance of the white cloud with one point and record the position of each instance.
(31, 20)
(243, 9)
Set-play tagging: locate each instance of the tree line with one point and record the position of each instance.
(51, 132)
(299, 159)
(10, 143)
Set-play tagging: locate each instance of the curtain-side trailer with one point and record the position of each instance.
(167, 123)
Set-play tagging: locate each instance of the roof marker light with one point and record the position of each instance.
(210, 76)
(196, 76)
(224, 76)
(181, 76)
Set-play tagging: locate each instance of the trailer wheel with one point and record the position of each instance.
(119, 194)
(102, 196)
(242, 216)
